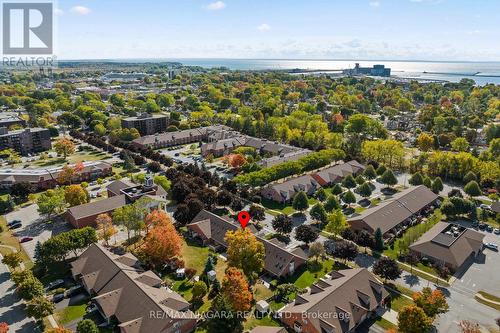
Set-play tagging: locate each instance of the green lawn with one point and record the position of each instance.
(385, 324)
(78, 156)
(7, 239)
(194, 256)
(282, 208)
(261, 292)
(399, 301)
(253, 322)
(72, 312)
(306, 276)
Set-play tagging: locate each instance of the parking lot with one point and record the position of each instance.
(484, 272)
(33, 225)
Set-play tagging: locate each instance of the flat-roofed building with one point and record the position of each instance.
(8, 119)
(147, 124)
(448, 244)
(25, 141)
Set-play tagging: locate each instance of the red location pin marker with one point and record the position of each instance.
(243, 218)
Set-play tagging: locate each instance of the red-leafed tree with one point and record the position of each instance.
(235, 290)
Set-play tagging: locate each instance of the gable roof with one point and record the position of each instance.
(394, 211)
(98, 207)
(455, 250)
(129, 293)
(348, 294)
(213, 227)
(335, 173)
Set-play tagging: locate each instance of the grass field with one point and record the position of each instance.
(79, 156)
(253, 322)
(276, 206)
(194, 256)
(71, 312)
(306, 276)
(8, 240)
(260, 292)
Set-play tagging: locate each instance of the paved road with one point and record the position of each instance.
(35, 226)
(12, 307)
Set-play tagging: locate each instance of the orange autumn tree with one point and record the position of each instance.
(235, 290)
(105, 227)
(4, 327)
(244, 251)
(64, 146)
(237, 160)
(156, 217)
(162, 243)
(431, 301)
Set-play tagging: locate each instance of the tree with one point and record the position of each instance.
(64, 146)
(472, 189)
(316, 250)
(283, 224)
(105, 227)
(332, 203)
(345, 250)
(320, 194)
(387, 268)
(437, 185)
(425, 142)
(432, 302)
(369, 172)
(318, 213)
(412, 319)
(12, 260)
(224, 198)
(235, 290)
(40, 307)
(379, 240)
(336, 189)
(4, 327)
(349, 198)
(51, 201)
(162, 242)
(469, 176)
(416, 179)
(460, 144)
(86, 326)
(244, 251)
(21, 190)
(388, 178)
(30, 288)
(182, 214)
(306, 233)
(300, 201)
(427, 182)
(76, 195)
(337, 223)
(257, 213)
(99, 129)
(230, 322)
(199, 290)
(236, 160)
(381, 169)
(349, 182)
(364, 190)
(130, 216)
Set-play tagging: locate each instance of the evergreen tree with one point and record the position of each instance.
(437, 185)
(300, 201)
(332, 203)
(379, 240)
(416, 179)
(370, 172)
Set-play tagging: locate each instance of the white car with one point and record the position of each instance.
(496, 231)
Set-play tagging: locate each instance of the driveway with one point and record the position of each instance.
(11, 306)
(35, 226)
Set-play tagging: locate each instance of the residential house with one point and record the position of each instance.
(212, 229)
(449, 245)
(339, 302)
(394, 215)
(127, 294)
(336, 173)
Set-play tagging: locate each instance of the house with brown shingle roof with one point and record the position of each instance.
(268, 329)
(336, 173)
(339, 303)
(394, 214)
(125, 293)
(212, 229)
(449, 244)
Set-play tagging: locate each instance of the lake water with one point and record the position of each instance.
(481, 72)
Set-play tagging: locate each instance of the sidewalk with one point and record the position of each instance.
(388, 314)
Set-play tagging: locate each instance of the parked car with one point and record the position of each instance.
(491, 246)
(13, 222)
(176, 154)
(55, 284)
(26, 239)
(15, 226)
(482, 226)
(496, 231)
(73, 290)
(57, 298)
(489, 228)
(91, 308)
(484, 206)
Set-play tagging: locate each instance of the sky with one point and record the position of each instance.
(444, 30)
